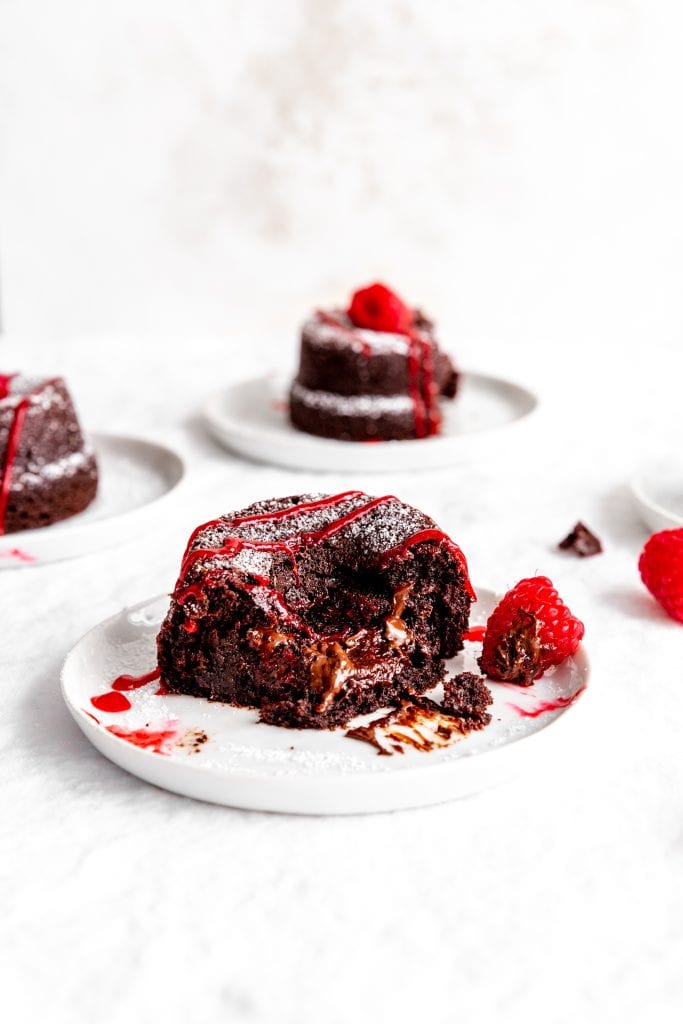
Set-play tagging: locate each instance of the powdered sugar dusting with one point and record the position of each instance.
(39, 472)
(351, 405)
(375, 532)
(41, 389)
(318, 332)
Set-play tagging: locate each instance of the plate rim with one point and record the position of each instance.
(69, 530)
(512, 753)
(224, 430)
(647, 505)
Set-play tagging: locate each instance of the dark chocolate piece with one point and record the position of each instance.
(581, 541)
(518, 654)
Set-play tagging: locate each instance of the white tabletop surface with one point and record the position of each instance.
(556, 897)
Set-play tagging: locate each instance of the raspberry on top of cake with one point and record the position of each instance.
(371, 372)
(48, 470)
(315, 608)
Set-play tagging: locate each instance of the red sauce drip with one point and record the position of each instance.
(155, 740)
(414, 389)
(421, 386)
(13, 437)
(292, 545)
(10, 455)
(292, 510)
(125, 683)
(111, 702)
(21, 556)
(5, 382)
(332, 320)
(475, 633)
(278, 600)
(441, 538)
(420, 364)
(429, 395)
(350, 517)
(195, 590)
(95, 720)
(547, 705)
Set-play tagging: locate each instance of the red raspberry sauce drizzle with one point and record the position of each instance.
(123, 683)
(18, 554)
(421, 385)
(441, 538)
(294, 544)
(115, 700)
(547, 705)
(420, 363)
(475, 633)
(13, 437)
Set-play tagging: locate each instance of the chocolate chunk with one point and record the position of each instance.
(518, 654)
(581, 541)
(467, 697)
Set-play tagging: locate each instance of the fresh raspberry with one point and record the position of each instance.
(661, 570)
(380, 309)
(528, 631)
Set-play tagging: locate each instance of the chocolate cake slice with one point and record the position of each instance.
(315, 608)
(373, 374)
(48, 470)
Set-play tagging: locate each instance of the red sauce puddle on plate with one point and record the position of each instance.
(474, 633)
(21, 556)
(547, 705)
(111, 702)
(156, 740)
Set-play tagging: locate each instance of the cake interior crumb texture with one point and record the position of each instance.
(315, 608)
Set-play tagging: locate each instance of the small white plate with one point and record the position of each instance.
(222, 754)
(251, 418)
(658, 493)
(135, 476)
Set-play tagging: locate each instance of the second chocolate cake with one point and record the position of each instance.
(315, 608)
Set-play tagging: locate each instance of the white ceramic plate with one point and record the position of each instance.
(658, 493)
(223, 754)
(251, 418)
(134, 477)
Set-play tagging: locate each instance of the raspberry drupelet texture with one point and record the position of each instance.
(379, 309)
(661, 570)
(530, 630)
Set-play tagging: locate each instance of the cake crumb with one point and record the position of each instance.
(467, 697)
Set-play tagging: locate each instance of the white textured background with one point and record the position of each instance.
(216, 166)
(205, 172)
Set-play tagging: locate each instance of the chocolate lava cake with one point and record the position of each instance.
(373, 372)
(315, 608)
(47, 469)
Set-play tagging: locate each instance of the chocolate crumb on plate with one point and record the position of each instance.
(466, 696)
(581, 541)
